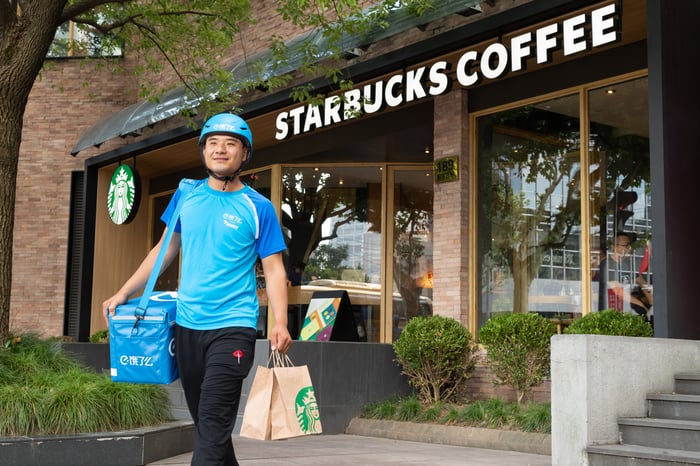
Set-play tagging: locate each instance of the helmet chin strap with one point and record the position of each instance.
(225, 179)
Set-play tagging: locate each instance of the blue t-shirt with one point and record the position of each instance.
(222, 234)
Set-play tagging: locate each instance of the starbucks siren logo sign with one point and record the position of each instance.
(124, 194)
(307, 412)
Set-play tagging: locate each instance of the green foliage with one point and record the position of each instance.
(409, 409)
(44, 392)
(611, 322)
(153, 32)
(381, 410)
(326, 262)
(101, 336)
(535, 417)
(437, 354)
(494, 413)
(518, 349)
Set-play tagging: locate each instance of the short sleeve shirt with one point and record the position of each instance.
(222, 236)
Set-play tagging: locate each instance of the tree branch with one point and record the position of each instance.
(73, 11)
(152, 36)
(73, 14)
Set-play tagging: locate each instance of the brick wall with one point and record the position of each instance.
(450, 210)
(59, 110)
(482, 385)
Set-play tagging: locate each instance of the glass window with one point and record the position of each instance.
(529, 213)
(75, 40)
(620, 202)
(412, 267)
(331, 216)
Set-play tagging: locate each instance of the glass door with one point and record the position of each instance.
(410, 271)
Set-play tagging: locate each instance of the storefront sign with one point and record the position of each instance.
(446, 169)
(573, 35)
(123, 195)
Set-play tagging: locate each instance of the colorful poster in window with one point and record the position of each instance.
(320, 318)
(329, 317)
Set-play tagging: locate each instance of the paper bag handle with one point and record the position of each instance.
(278, 359)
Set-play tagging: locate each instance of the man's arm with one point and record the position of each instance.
(140, 277)
(276, 288)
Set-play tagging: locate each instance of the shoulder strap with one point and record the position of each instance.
(186, 186)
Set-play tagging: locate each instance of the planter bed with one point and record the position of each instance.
(476, 437)
(135, 447)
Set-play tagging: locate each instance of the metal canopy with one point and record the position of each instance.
(132, 119)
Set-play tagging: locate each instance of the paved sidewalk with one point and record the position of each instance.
(346, 449)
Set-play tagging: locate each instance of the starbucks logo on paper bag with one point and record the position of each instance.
(307, 411)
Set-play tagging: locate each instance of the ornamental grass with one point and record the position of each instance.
(494, 413)
(45, 392)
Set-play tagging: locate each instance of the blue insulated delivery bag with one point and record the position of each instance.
(142, 350)
(142, 330)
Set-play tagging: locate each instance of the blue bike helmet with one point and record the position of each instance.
(228, 123)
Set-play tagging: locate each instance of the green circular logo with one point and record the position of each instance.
(124, 194)
(307, 411)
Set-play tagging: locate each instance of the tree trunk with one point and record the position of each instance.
(10, 138)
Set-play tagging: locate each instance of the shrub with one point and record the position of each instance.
(518, 350)
(101, 336)
(611, 322)
(437, 354)
(45, 392)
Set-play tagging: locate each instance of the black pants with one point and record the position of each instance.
(212, 365)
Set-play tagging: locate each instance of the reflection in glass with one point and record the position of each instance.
(331, 217)
(620, 198)
(412, 279)
(529, 210)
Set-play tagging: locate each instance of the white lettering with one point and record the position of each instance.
(296, 113)
(603, 29)
(573, 30)
(572, 35)
(313, 118)
(392, 98)
(501, 61)
(518, 50)
(414, 86)
(331, 112)
(373, 103)
(281, 125)
(439, 80)
(463, 77)
(352, 107)
(546, 42)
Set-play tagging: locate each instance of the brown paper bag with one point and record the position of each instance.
(294, 410)
(256, 416)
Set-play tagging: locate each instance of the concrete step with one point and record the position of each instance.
(638, 455)
(673, 434)
(674, 406)
(688, 383)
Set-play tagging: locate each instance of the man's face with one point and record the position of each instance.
(622, 246)
(224, 154)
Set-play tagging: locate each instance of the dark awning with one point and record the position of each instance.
(135, 117)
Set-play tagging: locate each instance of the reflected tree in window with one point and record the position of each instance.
(315, 206)
(325, 262)
(529, 191)
(413, 218)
